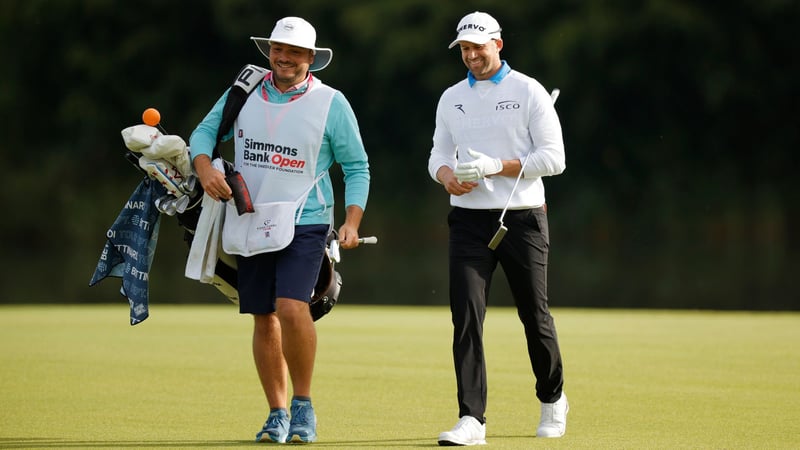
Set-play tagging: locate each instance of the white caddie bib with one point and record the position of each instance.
(277, 147)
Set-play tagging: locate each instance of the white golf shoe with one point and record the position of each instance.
(553, 423)
(468, 431)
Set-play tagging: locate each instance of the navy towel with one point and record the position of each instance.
(130, 246)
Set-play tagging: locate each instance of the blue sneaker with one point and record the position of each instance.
(276, 428)
(304, 421)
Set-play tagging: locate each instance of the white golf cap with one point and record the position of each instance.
(298, 32)
(478, 28)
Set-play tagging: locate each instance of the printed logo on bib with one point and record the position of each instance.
(266, 228)
(267, 155)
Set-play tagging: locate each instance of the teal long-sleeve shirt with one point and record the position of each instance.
(341, 143)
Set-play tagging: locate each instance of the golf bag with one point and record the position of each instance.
(329, 281)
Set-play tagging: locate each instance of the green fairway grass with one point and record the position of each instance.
(81, 377)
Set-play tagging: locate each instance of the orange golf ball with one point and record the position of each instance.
(151, 117)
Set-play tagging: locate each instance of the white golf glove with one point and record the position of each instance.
(481, 166)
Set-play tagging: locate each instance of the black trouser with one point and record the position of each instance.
(523, 255)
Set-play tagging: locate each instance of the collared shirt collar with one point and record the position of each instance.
(293, 93)
(496, 78)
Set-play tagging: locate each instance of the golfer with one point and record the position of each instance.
(486, 126)
(288, 133)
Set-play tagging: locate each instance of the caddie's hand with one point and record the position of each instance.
(348, 232)
(481, 166)
(212, 180)
(348, 237)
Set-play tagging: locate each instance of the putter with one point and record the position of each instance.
(501, 232)
(498, 236)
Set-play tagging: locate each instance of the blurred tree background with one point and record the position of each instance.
(680, 123)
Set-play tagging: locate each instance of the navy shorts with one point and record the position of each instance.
(290, 273)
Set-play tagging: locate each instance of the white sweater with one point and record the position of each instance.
(505, 120)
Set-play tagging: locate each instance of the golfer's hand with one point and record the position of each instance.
(451, 184)
(481, 166)
(212, 180)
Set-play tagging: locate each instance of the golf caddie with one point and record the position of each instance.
(290, 130)
(497, 135)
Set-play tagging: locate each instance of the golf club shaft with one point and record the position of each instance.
(553, 96)
(501, 232)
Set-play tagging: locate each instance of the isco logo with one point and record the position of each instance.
(506, 104)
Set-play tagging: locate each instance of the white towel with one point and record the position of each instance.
(203, 254)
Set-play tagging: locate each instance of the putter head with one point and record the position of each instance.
(498, 236)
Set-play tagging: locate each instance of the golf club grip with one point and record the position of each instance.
(368, 240)
(241, 195)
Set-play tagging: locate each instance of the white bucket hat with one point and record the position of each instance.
(296, 31)
(478, 28)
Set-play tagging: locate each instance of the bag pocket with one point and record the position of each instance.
(268, 229)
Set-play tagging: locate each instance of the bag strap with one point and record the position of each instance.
(244, 84)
